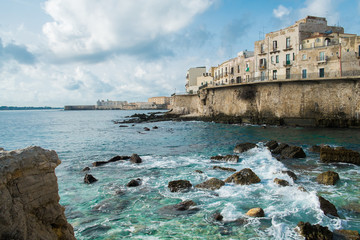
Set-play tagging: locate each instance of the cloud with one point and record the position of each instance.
(321, 8)
(99, 29)
(16, 52)
(281, 11)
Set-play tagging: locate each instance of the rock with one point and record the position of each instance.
(86, 169)
(146, 129)
(346, 234)
(198, 171)
(314, 232)
(281, 182)
(29, 196)
(327, 207)
(212, 184)
(227, 158)
(89, 179)
(134, 183)
(185, 207)
(119, 158)
(271, 145)
(155, 127)
(315, 149)
(290, 174)
(179, 186)
(217, 217)
(123, 125)
(328, 178)
(292, 152)
(340, 154)
(279, 148)
(225, 169)
(135, 158)
(256, 212)
(301, 188)
(99, 163)
(244, 177)
(243, 147)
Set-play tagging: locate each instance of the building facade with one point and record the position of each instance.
(191, 79)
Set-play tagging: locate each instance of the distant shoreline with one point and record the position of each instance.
(3, 108)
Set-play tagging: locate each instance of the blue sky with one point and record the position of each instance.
(61, 52)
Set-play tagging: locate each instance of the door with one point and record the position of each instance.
(321, 72)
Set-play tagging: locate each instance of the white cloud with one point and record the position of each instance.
(86, 27)
(321, 8)
(281, 11)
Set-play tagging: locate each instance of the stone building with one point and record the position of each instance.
(160, 100)
(108, 104)
(191, 79)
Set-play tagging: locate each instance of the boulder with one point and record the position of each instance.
(119, 158)
(327, 207)
(227, 158)
(134, 183)
(346, 234)
(271, 145)
(328, 178)
(315, 149)
(85, 169)
(244, 177)
(212, 184)
(256, 212)
(185, 207)
(292, 152)
(135, 158)
(290, 174)
(217, 217)
(301, 188)
(279, 148)
(146, 129)
(179, 186)
(243, 147)
(99, 163)
(281, 182)
(314, 232)
(198, 171)
(224, 169)
(339, 154)
(89, 179)
(29, 199)
(155, 127)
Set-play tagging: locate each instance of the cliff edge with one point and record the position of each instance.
(29, 199)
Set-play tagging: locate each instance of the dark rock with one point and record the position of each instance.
(89, 178)
(256, 212)
(227, 158)
(314, 232)
(315, 149)
(86, 169)
(271, 145)
(185, 207)
(343, 234)
(218, 217)
(179, 186)
(281, 182)
(301, 188)
(243, 147)
(212, 184)
(123, 125)
(134, 183)
(155, 127)
(146, 129)
(328, 178)
(225, 169)
(244, 177)
(292, 152)
(135, 158)
(290, 174)
(198, 171)
(327, 207)
(99, 163)
(279, 148)
(119, 158)
(340, 154)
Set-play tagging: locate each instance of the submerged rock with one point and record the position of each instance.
(29, 196)
(198, 171)
(290, 174)
(328, 178)
(243, 147)
(314, 232)
(315, 149)
(135, 158)
(227, 158)
(224, 169)
(212, 184)
(99, 163)
(281, 182)
(217, 216)
(119, 158)
(155, 127)
(89, 179)
(85, 169)
(244, 177)
(292, 152)
(134, 183)
(146, 129)
(256, 212)
(179, 186)
(340, 154)
(271, 145)
(327, 207)
(185, 207)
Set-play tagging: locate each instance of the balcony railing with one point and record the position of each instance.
(323, 59)
(287, 63)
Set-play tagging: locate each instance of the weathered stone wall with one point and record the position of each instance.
(328, 103)
(29, 196)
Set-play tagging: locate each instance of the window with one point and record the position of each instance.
(238, 79)
(232, 70)
(262, 75)
(238, 68)
(247, 78)
(327, 41)
(359, 51)
(287, 59)
(272, 59)
(274, 45)
(304, 57)
(293, 56)
(225, 70)
(262, 63)
(318, 40)
(262, 48)
(304, 73)
(288, 43)
(322, 56)
(277, 58)
(321, 72)
(274, 74)
(288, 73)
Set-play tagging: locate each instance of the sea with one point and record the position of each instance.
(108, 209)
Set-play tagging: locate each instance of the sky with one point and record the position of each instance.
(72, 52)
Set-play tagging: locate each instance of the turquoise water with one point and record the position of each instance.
(108, 209)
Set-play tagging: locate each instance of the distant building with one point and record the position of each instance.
(191, 79)
(160, 100)
(108, 104)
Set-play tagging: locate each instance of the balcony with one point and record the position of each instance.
(262, 66)
(287, 63)
(275, 50)
(288, 48)
(322, 59)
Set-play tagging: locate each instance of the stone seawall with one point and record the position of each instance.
(323, 103)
